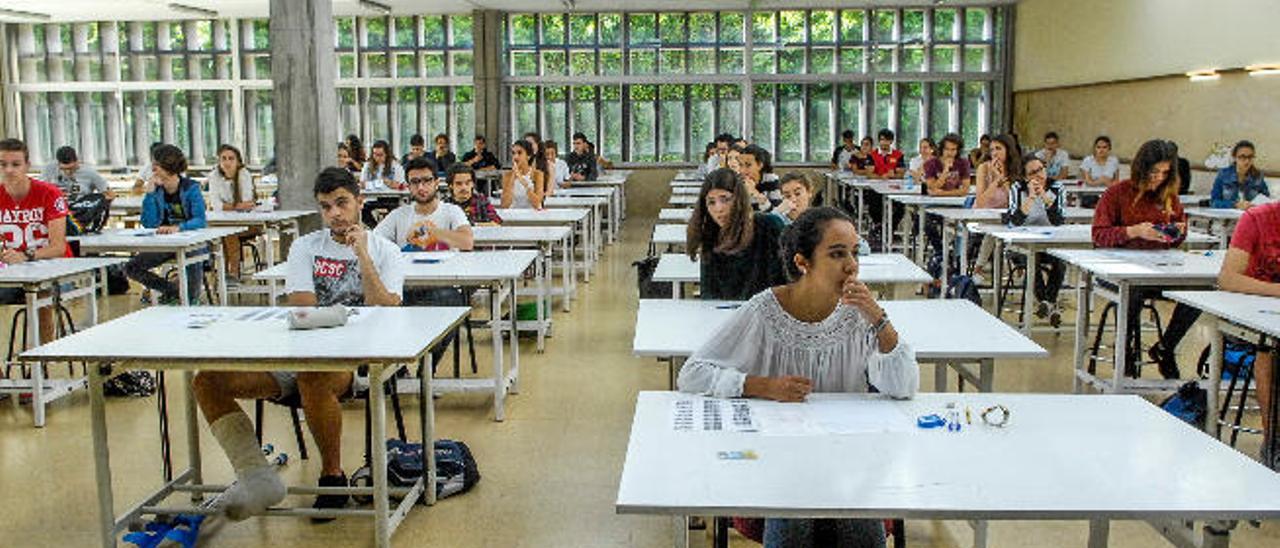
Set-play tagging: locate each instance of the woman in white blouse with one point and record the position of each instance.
(232, 187)
(822, 332)
(525, 185)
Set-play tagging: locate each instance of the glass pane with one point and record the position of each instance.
(524, 63)
(851, 25)
(762, 119)
(791, 27)
(944, 25)
(464, 115)
(553, 29)
(822, 61)
(940, 122)
(852, 60)
(433, 64)
(850, 116)
(643, 61)
(611, 122)
(702, 28)
(730, 109)
(524, 110)
(460, 33)
(346, 32)
(610, 29)
(377, 66)
(762, 62)
(763, 29)
(555, 104)
(524, 30)
(260, 124)
(975, 58)
(702, 61)
(406, 33)
(554, 63)
(975, 114)
(882, 26)
(642, 28)
(407, 115)
(610, 62)
(463, 63)
(791, 61)
(910, 98)
(406, 65)
(975, 24)
(882, 60)
(436, 109)
(790, 123)
(582, 29)
(731, 61)
(672, 61)
(671, 28)
(348, 112)
(671, 114)
(913, 59)
(582, 62)
(375, 29)
(379, 112)
(944, 58)
(702, 112)
(433, 32)
(643, 123)
(822, 135)
(731, 28)
(822, 26)
(912, 25)
(584, 112)
(883, 106)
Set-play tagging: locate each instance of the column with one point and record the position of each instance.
(486, 33)
(110, 33)
(304, 74)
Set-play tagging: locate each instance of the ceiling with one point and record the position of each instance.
(125, 10)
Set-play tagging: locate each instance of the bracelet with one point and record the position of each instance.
(880, 325)
(1001, 416)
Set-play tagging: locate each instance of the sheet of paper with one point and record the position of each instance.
(821, 417)
(700, 414)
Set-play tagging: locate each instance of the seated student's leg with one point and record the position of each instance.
(231, 247)
(195, 282)
(1180, 323)
(320, 393)
(1049, 279)
(788, 533)
(856, 533)
(1263, 369)
(257, 486)
(139, 269)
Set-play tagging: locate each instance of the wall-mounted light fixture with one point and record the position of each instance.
(1204, 75)
(1263, 70)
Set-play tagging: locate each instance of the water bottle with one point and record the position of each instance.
(911, 182)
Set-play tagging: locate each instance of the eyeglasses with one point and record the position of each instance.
(421, 180)
(1244, 157)
(726, 200)
(1035, 172)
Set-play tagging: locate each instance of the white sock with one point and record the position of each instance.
(257, 486)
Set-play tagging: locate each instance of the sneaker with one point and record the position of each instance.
(1055, 315)
(328, 502)
(1042, 310)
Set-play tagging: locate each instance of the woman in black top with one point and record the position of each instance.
(739, 247)
(1036, 201)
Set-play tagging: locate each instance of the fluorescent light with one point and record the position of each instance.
(376, 6)
(1203, 75)
(1263, 70)
(193, 10)
(20, 14)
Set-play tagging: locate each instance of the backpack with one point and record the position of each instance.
(1189, 403)
(962, 286)
(648, 288)
(88, 214)
(130, 384)
(456, 469)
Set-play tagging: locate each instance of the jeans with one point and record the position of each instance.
(1049, 276)
(1179, 323)
(842, 533)
(139, 268)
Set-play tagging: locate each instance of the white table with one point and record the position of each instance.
(682, 183)
(956, 219)
(601, 208)
(616, 181)
(181, 245)
(239, 340)
(1237, 314)
(683, 200)
(273, 225)
(1032, 469)
(498, 270)
(675, 215)
(1129, 271)
(1030, 240)
(673, 237)
(544, 239)
(685, 190)
(1220, 222)
(887, 269)
(1074, 190)
(944, 332)
(576, 218)
(613, 208)
(916, 204)
(885, 188)
(49, 275)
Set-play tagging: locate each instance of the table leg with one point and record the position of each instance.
(106, 292)
(997, 276)
(1099, 531)
(427, 413)
(987, 375)
(566, 274)
(1084, 296)
(681, 529)
(270, 236)
(1122, 337)
(979, 533)
(946, 260)
(920, 240)
(861, 213)
(220, 271)
(542, 304)
(675, 289)
(1029, 291)
(182, 278)
(101, 456)
(37, 373)
(378, 418)
(193, 431)
(886, 224)
(1215, 382)
(940, 376)
(495, 312)
(515, 347)
(963, 233)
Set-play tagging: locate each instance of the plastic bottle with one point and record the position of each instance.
(910, 183)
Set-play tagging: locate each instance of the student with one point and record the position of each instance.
(1239, 184)
(175, 205)
(462, 185)
(142, 181)
(1100, 168)
(560, 176)
(341, 264)
(231, 185)
(33, 220)
(979, 155)
(797, 197)
(738, 246)
(582, 161)
(417, 149)
(995, 176)
(525, 185)
(345, 160)
(380, 173)
(1252, 266)
(441, 157)
(724, 142)
(480, 158)
(860, 162)
(840, 157)
(356, 148)
(706, 157)
(886, 159)
(1056, 161)
(1144, 212)
(756, 168)
(821, 332)
(73, 178)
(538, 158)
(426, 224)
(927, 150)
(948, 174)
(1036, 201)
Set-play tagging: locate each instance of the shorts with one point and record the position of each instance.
(287, 381)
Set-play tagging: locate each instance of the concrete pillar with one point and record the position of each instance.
(249, 98)
(486, 32)
(222, 68)
(168, 122)
(84, 107)
(57, 102)
(304, 74)
(27, 74)
(195, 99)
(141, 121)
(110, 35)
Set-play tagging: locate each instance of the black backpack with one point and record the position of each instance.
(648, 288)
(456, 469)
(88, 214)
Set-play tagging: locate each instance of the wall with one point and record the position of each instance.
(1123, 77)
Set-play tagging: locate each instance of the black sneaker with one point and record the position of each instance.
(1166, 361)
(329, 502)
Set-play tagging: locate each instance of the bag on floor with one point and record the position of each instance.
(456, 469)
(1189, 403)
(117, 281)
(648, 288)
(130, 384)
(963, 287)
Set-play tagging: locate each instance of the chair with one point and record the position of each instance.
(1134, 343)
(294, 404)
(65, 324)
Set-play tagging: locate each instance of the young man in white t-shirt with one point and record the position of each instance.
(1057, 162)
(342, 264)
(428, 223)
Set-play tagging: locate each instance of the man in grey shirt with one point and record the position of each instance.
(73, 179)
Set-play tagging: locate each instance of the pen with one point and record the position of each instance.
(1270, 311)
(968, 415)
(727, 306)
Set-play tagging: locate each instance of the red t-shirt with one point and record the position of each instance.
(886, 163)
(1258, 234)
(25, 224)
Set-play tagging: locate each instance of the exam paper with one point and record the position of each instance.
(823, 417)
(701, 414)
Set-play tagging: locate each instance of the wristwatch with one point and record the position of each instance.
(880, 325)
(30, 254)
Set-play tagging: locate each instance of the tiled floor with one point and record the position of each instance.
(550, 471)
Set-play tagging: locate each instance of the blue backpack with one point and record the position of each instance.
(456, 469)
(1189, 403)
